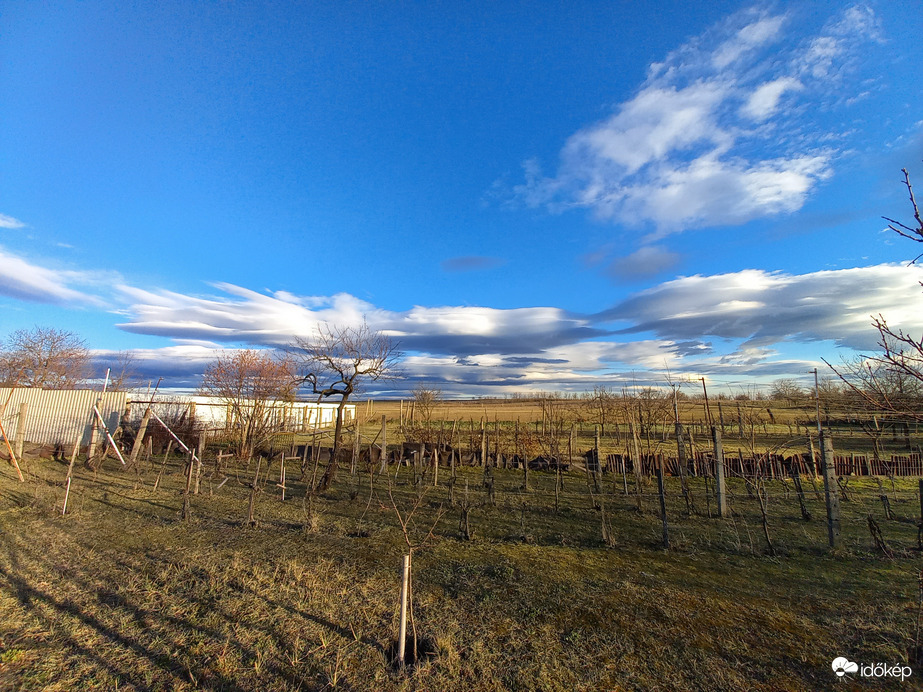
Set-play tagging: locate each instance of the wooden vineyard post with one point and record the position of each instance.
(402, 636)
(189, 468)
(523, 460)
(596, 460)
(636, 462)
(921, 500)
(198, 460)
(719, 472)
(384, 443)
(681, 454)
(830, 491)
(356, 443)
(483, 444)
(663, 506)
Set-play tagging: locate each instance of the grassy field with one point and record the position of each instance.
(121, 593)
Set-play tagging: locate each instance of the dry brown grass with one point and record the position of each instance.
(121, 594)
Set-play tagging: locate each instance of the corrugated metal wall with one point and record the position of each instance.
(54, 416)
(289, 416)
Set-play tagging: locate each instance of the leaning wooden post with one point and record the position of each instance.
(139, 440)
(12, 455)
(830, 491)
(70, 466)
(402, 637)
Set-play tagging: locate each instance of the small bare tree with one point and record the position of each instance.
(892, 379)
(248, 382)
(787, 390)
(335, 362)
(425, 399)
(123, 373)
(603, 404)
(45, 357)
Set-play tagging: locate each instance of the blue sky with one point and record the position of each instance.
(528, 196)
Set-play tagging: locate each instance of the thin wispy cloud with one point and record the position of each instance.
(24, 280)
(720, 133)
(10, 222)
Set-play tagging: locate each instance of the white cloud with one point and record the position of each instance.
(242, 315)
(763, 308)
(746, 39)
(764, 101)
(683, 152)
(23, 280)
(10, 222)
(738, 324)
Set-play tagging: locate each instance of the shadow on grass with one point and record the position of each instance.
(35, 600)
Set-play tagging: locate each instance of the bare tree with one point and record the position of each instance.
(336, 362)
(45, 357)
(892, 378)
(603, 403)
(910, 232)
(249, 382)
(122, 372)
(425, 399)
(787, 390)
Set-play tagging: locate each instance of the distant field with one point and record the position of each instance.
(121, 593)
(747, 427)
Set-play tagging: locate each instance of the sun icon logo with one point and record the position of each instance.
(841, 666)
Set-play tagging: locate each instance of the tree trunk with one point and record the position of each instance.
(331, 472)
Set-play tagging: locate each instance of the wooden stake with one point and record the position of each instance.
(384, 444)
(719, 471)
(663, 506)
(830, 492)
(66, 493)
(402, 637)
